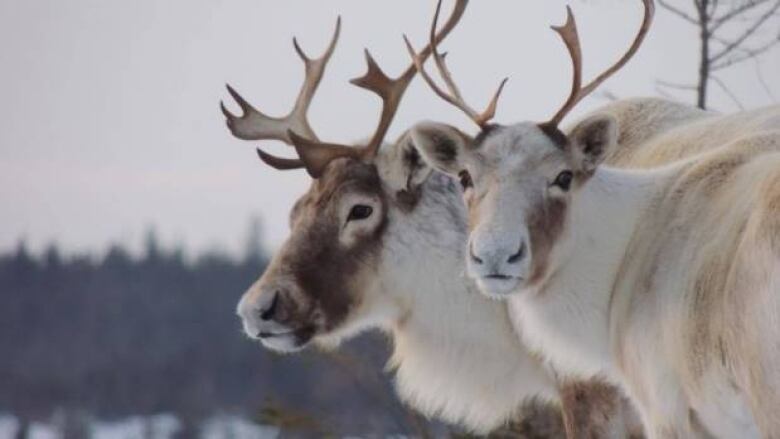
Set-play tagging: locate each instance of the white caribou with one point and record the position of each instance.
(664, 280)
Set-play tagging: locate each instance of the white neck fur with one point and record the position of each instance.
(456, 354)
(569, 315)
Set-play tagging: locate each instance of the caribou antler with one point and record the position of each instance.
(317, 155)
(294, 128)
(391, 90)
(568, 32)
(254, 125)
(454, 96)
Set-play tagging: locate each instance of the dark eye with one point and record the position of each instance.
(465, 180)
(359, 212)
(563, 180)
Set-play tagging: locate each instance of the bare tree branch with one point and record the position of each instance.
(762, 81)
(718, 22)
(728, 92)
(667, 84)
(664, 94)
(744, 19)
(747, 53)
(607, 94)
(680, 13)
(705, 50)
(713, 10)
(745, 35)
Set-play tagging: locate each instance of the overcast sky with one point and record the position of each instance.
(109, 118)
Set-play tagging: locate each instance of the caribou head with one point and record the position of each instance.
(321, 284)
(519, 180)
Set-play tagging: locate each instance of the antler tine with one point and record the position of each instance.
(279, 163)
(568, 33)
(255, 125)
(315, 155)
(454, 95)
(391, 90)
(649, 6)
(314, 68)
(570, 37)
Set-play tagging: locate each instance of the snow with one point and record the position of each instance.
(161, 426)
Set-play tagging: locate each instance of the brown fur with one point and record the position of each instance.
(536, 421)
(328, 275)
(545, 226)
(472, 206)
(590, 407)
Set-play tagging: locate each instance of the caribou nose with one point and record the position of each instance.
(269, 311)
(270, 307)
(517, 256)
(493, 256)
(474, 258)
(263, 310)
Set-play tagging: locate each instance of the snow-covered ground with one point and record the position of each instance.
(8, 426)
(162, 426)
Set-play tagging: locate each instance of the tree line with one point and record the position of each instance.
(121, 335)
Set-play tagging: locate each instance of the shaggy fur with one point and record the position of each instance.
(455, 354)
(665, 281)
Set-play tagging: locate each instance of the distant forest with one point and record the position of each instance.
(119, 335)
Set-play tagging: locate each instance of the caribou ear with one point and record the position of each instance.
(403, 170)
(591, 140)
(407, 169)
(442, 146)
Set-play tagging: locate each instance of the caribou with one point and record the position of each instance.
(376, 243)
(663, 279)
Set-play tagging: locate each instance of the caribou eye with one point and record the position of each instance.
(563, 180)
(465, 180)
(359, 212)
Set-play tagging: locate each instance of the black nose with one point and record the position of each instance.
(474, 257)
(517, 257)
(268, 313)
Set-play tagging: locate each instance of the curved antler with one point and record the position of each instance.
(294, 128)
(389, 90)
(568, 33)
(255, 125)
(454, 96)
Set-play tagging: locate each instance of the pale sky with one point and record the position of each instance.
(109, 117)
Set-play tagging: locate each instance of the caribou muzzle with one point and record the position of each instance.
(269, 313)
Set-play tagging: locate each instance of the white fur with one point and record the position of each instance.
(634, 333)
(569, 321)
(456, 355)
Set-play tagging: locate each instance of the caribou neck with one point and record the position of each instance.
(568, 316)
(456, 354)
